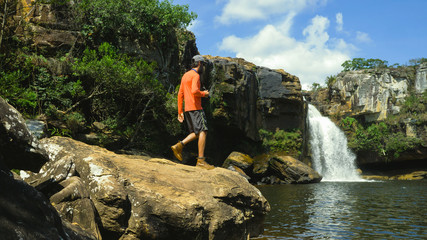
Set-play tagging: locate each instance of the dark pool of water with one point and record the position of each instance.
(347, 210)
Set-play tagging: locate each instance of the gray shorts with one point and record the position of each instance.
(196, 121)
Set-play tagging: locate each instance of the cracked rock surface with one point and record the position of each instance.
(138, 197)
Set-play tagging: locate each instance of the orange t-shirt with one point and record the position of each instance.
(189, 92)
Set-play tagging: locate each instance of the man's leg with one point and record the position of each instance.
(177, 148)
(201, 159)
(202, 143)
(191, 137)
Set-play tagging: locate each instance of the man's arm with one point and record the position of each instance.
(180, 99)
(195, 87)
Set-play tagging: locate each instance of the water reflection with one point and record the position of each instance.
(330, 208)
(345, 210)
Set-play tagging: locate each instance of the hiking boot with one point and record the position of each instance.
(177, 150)
(203, 164)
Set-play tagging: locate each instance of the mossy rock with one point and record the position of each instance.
(240, 160)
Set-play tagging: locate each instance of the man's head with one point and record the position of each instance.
(198, 61)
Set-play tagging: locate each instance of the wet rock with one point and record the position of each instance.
(146, 198)
(241, 160)
(19, 149)
(417, 175)
(271, 169)
(290, 170)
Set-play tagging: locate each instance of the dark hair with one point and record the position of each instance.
(194, 64)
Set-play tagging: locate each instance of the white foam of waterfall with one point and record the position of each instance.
(330, 154)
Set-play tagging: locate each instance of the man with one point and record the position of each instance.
(190, 93)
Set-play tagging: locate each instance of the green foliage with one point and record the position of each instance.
(397, 143)
(415, 104)
(126, 96)
(348, 124)
(378, 138)
(330, 80)
(146, 20)
(282, 141)
(75, 122)
(30, 86)
(315, 87)
(173, 126)
(121, 85)
(12, 90)
(417, 61)
(361, 63)
(59, 132)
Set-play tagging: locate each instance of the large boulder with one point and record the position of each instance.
(19, 149)
(290, 170)
(25, 213)
(272, 169)
(149, 198)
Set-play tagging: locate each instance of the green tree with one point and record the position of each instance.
(362, 63)
(315, 87)
(146, 20)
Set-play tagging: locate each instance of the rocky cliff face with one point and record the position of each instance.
(421, 78)
(251, 97)
(246, 98)
(371, 94)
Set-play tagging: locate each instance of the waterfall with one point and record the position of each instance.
(330, 154)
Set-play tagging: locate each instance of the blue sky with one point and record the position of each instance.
(310, 38)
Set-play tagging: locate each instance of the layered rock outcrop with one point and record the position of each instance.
(367, 93)
(271, 169)
(372, 94)
(139, 197)
(25, 213)
(251, 97)
(245, 98)
(375, 95)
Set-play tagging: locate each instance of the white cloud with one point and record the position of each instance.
(363, 37)
(340, 22)
(315, 33)
(194, 26)
(247, 10)
(311, 59)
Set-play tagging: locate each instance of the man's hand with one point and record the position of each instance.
(206, 92)
(181, 117)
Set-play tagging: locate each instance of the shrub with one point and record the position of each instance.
(330, 80)
(361, 63)
(378, 138)
(282, 141)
